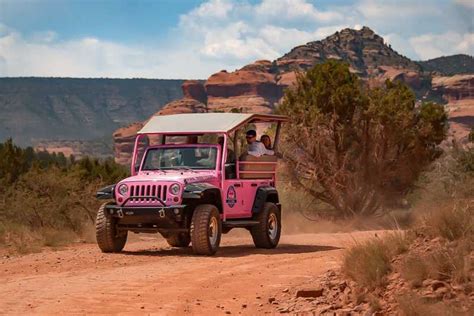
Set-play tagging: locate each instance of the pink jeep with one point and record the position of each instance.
(193, 191)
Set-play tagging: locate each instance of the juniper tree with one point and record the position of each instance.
(353, 148)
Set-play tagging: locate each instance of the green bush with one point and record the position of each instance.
(353, 148)
(47, 199)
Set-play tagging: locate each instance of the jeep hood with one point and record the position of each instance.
(184, 177)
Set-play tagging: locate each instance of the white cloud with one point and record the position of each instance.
(83, 57)
(294, 10)
(227, 34)
(375, 9)
(435, 45)
(465, 3)
(93, 57)
(251, 32)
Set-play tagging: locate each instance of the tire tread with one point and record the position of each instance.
(199, 228)
(259, 232)
(105, 232)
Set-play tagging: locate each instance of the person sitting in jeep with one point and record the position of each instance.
(256, 148)
(266, 141)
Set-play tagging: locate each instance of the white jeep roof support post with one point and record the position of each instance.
(135, 154)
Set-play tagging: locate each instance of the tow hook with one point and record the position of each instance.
(162, 213)
(120, 213)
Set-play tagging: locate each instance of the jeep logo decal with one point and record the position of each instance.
(231, 199)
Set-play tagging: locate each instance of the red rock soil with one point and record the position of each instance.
(150, 277)
(334, 294)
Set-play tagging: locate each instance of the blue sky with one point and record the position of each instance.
(193, 39)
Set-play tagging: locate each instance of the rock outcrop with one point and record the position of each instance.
(124, 140)
(252, 88)
(458, 92)
(194, 89)
(362, 49)
(455, 88)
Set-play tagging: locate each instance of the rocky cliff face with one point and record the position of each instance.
(455, 88)
(258, 87)
(124, 139)
(458, 92)
(253, 88)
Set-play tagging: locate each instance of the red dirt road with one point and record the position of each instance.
(149, 277)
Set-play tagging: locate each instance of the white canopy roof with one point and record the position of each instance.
(204, 122)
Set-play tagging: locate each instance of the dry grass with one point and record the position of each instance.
(20, 239)
(368, 263)
(55, 238)
(414, 269)
(412, 305)
(451, 263)
(453, 222)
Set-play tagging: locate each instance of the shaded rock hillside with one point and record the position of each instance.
(258, 87)
(450, 65)
(78, 109)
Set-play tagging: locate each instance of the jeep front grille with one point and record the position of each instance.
(142, 192)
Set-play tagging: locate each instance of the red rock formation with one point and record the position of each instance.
(184, 105)
(286, 79)
(124, 140)
(455, 88)
(193, 89)
(252, 88)
(381, 74)
(458, 91)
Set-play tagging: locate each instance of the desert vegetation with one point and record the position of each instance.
(426, 269)
(361, 152)
(429, 267)
(47, 199)
(357, 150)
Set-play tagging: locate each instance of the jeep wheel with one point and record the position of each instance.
(267, 233)
(108, 238)
(206, 230)
(179, 240)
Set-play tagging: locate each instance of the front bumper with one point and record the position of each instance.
(148, 218)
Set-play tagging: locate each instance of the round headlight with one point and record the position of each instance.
(174, 189)
(123, 189)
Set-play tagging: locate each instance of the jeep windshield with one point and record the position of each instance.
(168, 158)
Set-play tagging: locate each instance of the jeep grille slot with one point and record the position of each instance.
(141, 192)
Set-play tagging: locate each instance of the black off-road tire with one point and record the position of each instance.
(264, 234)
(179, 240)
(108, 239)
(204, 238)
